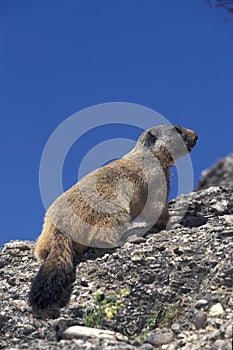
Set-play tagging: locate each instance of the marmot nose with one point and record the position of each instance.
(195, 137)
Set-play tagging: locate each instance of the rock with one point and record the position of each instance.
(229, 331)
(220, 207)
(18, 245)
(78, 332)
(216, 310)
(220, 344)
(145, 346)
(200, 320)
(3, 263)
(158, 339)
(201, 303)
(83, 283)
(136, 239)
(175, 327)
(194, 221)
(219, 175)
(214, 335)
(171, 347)
(228, 277)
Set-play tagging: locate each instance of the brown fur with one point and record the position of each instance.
(99, 210)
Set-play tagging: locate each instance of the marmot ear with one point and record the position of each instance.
(151, 137)
(179, 129)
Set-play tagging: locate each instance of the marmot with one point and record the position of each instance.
(100, 210)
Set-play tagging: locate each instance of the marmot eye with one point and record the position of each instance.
(178, 129)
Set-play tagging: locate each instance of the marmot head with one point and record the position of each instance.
(175, 140)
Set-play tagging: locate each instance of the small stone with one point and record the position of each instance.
(194, 221)
(158, 339)
(200, 320)
(171, 347)
(181, 336)
(176, 225)
(136, 258)
(21, 305)
(214, 335)
(178, 251)
(219, 344)
(136, 239)
(225, 233)
(3, 263)
(17, 245)
(216, 310)
(146, 346)
(221, 207)
(24, 258)
(175, 327)
(161, 248)
(201, 303)
(185, 290)
(83, 283)
(228, 332)
(228, 277)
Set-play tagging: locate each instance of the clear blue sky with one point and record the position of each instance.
(58, 57)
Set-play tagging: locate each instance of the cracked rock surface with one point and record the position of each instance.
(180, 284)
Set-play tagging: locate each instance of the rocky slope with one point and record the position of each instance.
(169, 290)
(221, 174)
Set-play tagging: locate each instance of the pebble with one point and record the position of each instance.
(136, 239)
(201, 303)
(195, 221)
(136, 258)
(220, 207)
(175, 327)
(216, 310)
(146, 346)
(3, 263)
(214, 335)
(229, 331)
(171, 347)
(158, 339)
(200, 320)
(219, 344)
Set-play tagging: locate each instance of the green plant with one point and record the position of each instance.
(170, 315)
(103, 308)
(163, 315)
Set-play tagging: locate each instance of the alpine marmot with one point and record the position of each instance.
(100, 210)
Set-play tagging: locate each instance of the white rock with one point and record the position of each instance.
(77, 332)
(228, 219)
(216, 310)
(228, 333)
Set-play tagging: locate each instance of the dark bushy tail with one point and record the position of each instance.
(53, 284)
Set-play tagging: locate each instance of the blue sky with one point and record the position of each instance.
(58, 57)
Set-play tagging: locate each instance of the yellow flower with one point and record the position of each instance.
(110, 311)
(124, 292)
